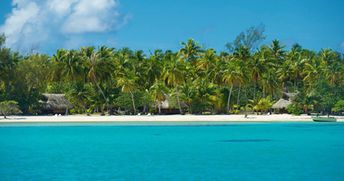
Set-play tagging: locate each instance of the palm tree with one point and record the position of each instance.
(284, 73)
(243, 58)
(311, 74)
(296, 65)
(8, 62)
(138, 62)
(270, 83)
(257, 66)
(232, 75)
(59, 58)
(190, 50)
(153, 68)
(188, 94)
(242, 53)
(173, 74)
(278, 54)
(127, 82)
(100, 67)
(332, 66)
(204, 80)
(207, 65)
(81, 93)
(69, 64)
(159, 92)
(206, 95)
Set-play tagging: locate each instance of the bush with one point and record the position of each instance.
(235, 109)
(263, 105)
(9, 108)
(294, 109)
(338, 107)
(141, 99)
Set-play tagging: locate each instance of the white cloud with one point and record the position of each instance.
(35, 23)
(17, 23)
(83, 20)
(61, 7)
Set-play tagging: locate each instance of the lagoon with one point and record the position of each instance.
(172, 151)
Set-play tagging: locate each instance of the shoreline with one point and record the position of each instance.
(159, 118)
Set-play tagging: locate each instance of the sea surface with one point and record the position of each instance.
(174, 151)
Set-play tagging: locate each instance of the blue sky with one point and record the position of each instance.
(153, 24)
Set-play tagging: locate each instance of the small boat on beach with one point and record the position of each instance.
(324, 119)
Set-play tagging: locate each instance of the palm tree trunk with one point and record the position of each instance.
(305, 109)
(229, 97)
(159, 108)
(100, 89)
(254, 90)
(238, 98)
(246, 102)
(102, 92)
(133, 101)
(285, 86)
(144, 109)
(178, 100)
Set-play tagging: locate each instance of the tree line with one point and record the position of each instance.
(193, 79)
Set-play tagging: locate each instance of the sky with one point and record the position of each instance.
(46, 25)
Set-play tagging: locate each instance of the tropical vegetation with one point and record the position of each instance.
(195, 80)
(9, 108)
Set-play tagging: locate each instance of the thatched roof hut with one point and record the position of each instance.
(55, 103)
(290, 95)
(281, 104)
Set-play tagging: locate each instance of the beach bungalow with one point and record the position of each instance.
(55, 104)
(282, 104)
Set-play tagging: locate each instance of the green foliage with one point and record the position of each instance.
(123, 101)
(142, 99)
(81, 96)
(339, 107)
(2, 40)
(9, 108)
(57, 87)
(294, 109)
(236, 109)
(263, 105)
(193, 79)
(35, 71)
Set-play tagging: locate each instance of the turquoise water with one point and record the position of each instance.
(236, 151)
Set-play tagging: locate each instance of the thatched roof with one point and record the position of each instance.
(281, 104)
(56, 101)
(291, 95)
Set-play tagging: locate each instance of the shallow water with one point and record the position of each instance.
(224, 151)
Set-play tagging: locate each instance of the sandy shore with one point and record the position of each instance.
(168, 118)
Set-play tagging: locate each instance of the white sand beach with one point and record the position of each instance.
(160, 118)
